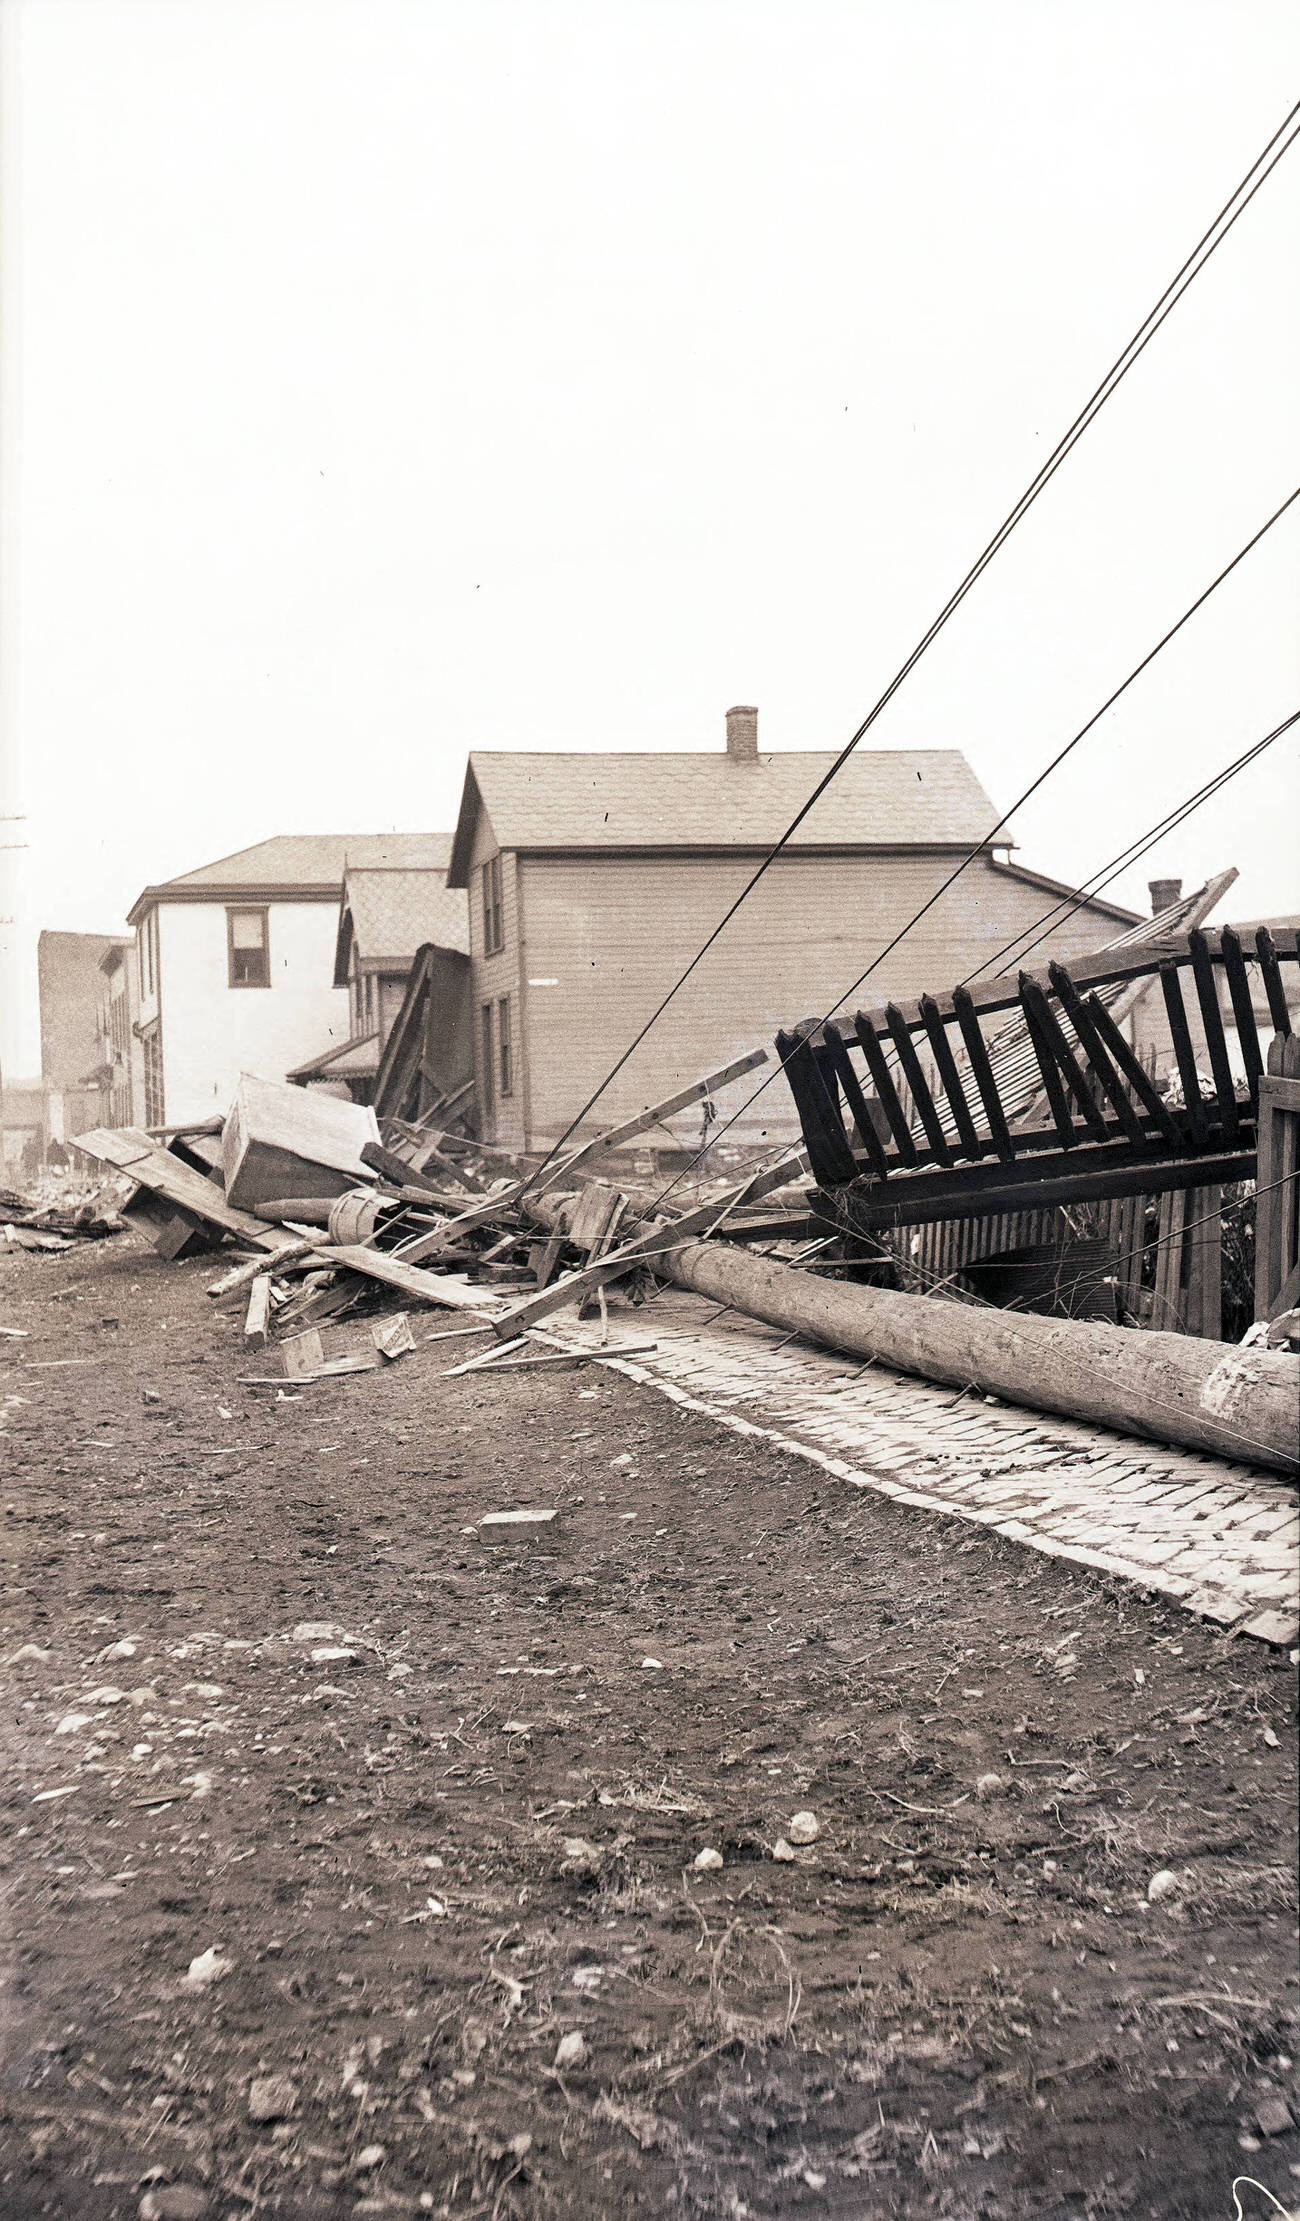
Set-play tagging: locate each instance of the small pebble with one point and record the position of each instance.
(571, 2049)
(707, 1861)
(1161, 1885)
(805, 1827)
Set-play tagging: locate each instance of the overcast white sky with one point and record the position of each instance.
(384, 378)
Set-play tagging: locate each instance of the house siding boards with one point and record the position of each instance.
(615, 932)
(497, 974)
(212, 1032)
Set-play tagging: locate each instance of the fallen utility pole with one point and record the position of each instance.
(1237, 1403)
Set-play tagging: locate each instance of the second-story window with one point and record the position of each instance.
(248, 948)
(504, 1058)
(493, 936)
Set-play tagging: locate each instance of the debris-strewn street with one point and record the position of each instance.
(354, 1866)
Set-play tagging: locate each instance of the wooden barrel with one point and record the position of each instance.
(354, 1215)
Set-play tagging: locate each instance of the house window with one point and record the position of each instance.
(147, 954)
(488, 1104)
(505, 1067)
(248, 949)
(493, 937)
(154, 1105)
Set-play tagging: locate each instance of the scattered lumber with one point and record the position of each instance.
(131, 1151)
(259, 1311)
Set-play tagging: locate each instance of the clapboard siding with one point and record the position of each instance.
(494, 977)
(615, 932)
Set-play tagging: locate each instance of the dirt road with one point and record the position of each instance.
(429, 1813)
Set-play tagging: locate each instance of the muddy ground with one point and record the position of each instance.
(427, 1866)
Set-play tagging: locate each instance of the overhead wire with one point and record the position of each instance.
(1206, 246)
(1107, 873)
(979, 848)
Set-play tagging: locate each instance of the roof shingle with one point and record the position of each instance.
(881, 798)
(394, 913)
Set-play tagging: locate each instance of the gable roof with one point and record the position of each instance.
(305, 866)
(388, 915)
(881, 798)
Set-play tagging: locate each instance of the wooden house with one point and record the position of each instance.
(235, 966)
(594, 879)
(390, 913)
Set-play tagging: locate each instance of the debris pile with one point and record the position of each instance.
(61, 1212)
(330, 1216)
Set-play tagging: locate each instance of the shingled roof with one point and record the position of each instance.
(391, 914)
(307, 865)
(904, 798)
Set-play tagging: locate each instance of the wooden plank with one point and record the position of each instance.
(259, 1310)
(872, 1209)
(289, 1253)
(950, 1077)
(1277, 1231)
(1270, 972)
(1184, 1054)
(1090, 1041)
(132, 1152)
(882, 1079)
(1204, 1235)
(451, 1292)
(859, 1107)
(977, 1051)
(1132, 1069)
(1243, 1008)
(910, 1065)
(653, 1239)
(1169, 1314)
(654, 1115)
(1033, 1002)
(399, 1170)
(1207, 995)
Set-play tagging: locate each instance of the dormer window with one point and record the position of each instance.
(248, 948)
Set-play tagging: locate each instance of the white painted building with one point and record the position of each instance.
(235, 965)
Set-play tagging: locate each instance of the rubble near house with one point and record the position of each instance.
(507, 1244)
(61, 1210)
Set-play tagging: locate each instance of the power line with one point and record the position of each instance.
(980, 846)
(1209, 242)
(1102, 878)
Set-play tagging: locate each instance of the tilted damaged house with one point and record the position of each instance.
(594, 879)
(235, 965)
(390, 914)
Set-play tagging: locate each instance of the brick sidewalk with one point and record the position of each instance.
(1223, 1539)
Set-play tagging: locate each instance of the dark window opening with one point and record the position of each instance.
(247, 943)
(493, 935)
(503, 1046)
(488, 1104)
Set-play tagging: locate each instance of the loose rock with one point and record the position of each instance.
(707, 1861)
(271, 2097)
(571, 2049)
(805, 1827)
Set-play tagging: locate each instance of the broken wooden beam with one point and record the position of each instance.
(258, 1315)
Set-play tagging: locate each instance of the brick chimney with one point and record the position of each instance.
(742, 735)
(1163, 893)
